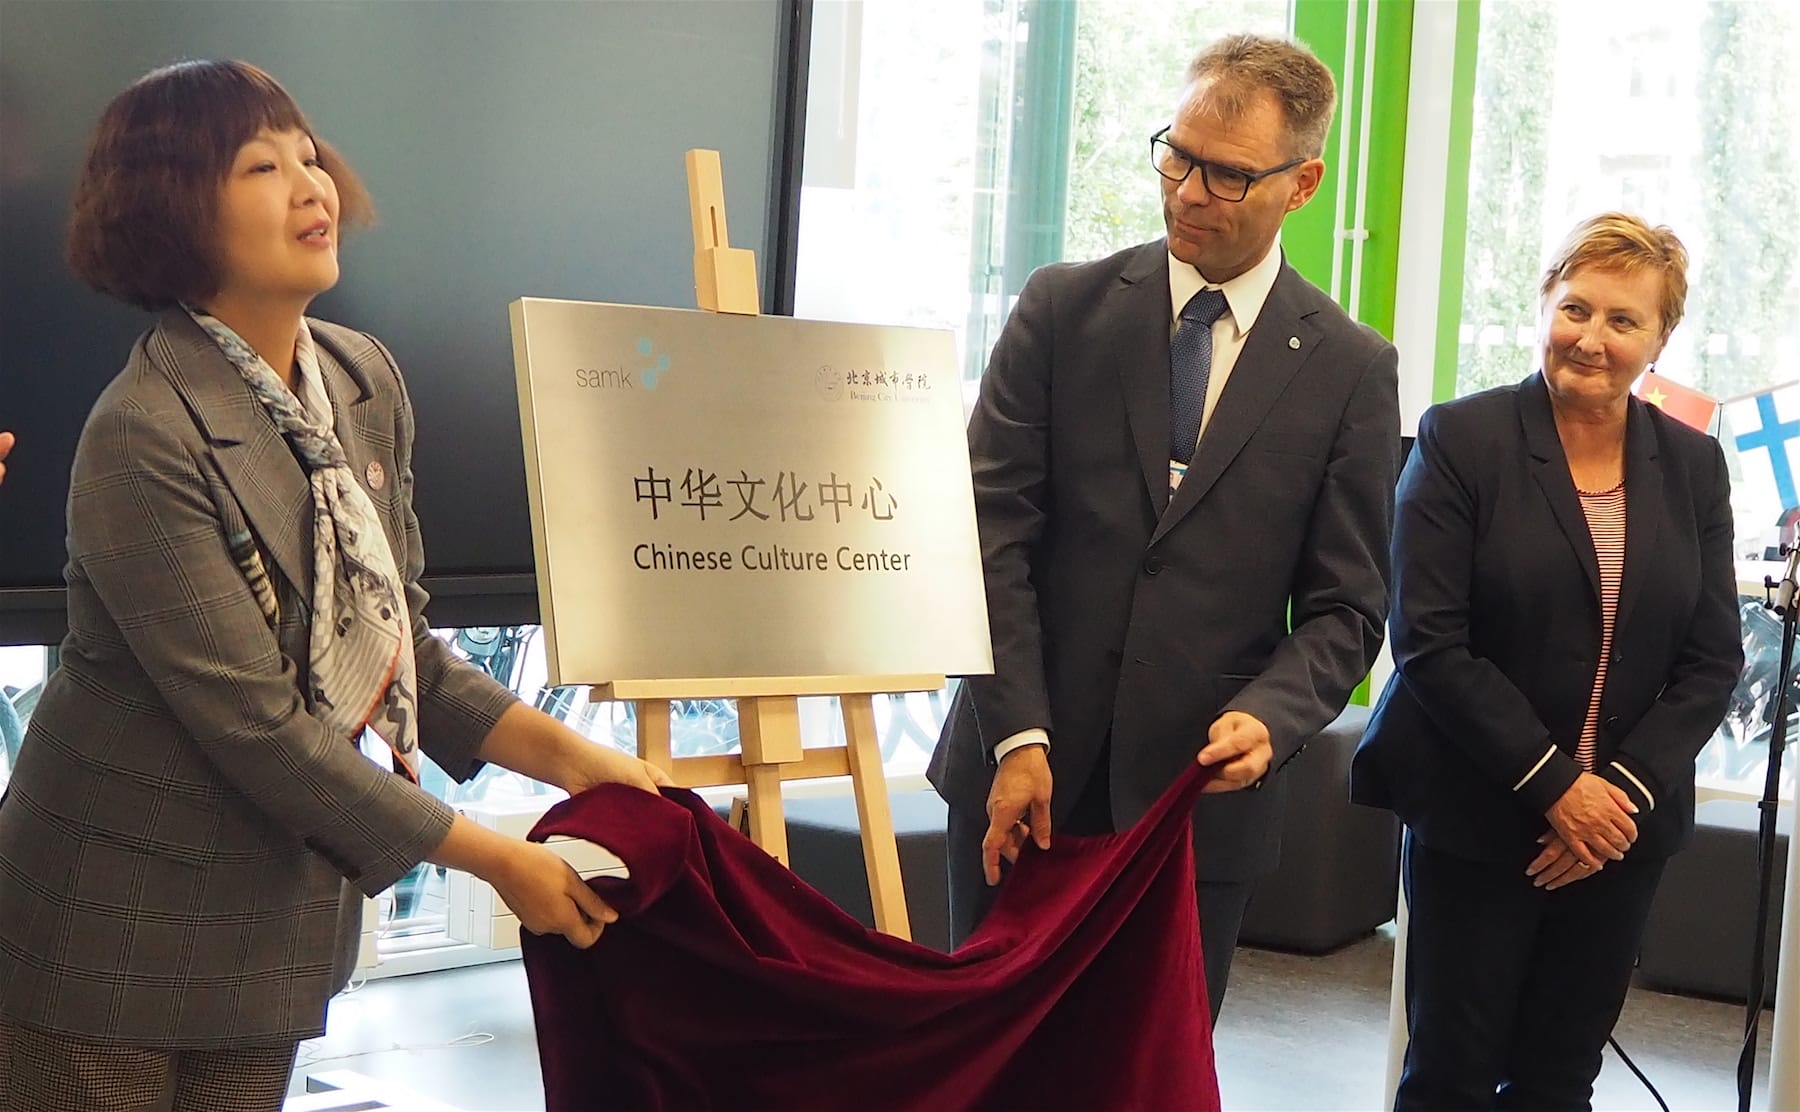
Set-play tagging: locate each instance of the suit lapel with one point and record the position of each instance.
(1550, 467)
(1264, 368)
(1643, 506)
(1140, 303)
(347, 382)
(256, 462)
(367, 439)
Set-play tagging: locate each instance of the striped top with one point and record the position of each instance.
(1605, 512)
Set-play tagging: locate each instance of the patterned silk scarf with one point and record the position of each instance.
(361, 667)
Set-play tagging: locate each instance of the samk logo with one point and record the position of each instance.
(653, 365)
(653, 373)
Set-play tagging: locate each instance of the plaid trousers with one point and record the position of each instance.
(46, 1072)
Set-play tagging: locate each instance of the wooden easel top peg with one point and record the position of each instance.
(724, 276)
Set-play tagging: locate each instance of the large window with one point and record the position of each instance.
(22, 671)
(1130, 58)
(953, 147)
(1687, 114)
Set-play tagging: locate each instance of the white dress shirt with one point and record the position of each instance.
(1244, 298)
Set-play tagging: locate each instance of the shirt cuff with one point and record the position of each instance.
(1023, 738)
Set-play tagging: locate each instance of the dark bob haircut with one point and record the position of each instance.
(141, 227)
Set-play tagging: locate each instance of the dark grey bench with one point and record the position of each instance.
(1339, 875)
(1698, 937)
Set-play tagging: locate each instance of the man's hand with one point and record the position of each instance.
(1593, 818)
(1018, 808)
(6, 443)
(1557, 866)
(1239, 744)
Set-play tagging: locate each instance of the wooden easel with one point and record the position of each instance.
(769, 708)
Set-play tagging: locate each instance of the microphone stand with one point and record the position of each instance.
(1767, 809)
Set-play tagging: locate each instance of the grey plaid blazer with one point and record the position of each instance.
(182, 844)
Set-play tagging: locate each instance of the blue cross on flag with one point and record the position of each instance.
(1765, 428)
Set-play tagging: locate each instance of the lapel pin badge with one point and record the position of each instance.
(376, 475)
(1293, 344)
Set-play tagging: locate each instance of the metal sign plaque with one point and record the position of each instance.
(716, 495)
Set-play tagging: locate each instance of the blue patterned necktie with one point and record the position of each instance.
(1190, 366)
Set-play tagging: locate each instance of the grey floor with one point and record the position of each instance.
(1297, 1033)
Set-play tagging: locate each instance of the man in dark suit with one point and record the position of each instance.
(1184, 460)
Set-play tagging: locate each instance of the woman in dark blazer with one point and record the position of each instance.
(1565, 637)
(191, 827)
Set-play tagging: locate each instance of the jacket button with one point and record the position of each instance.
(1612, 721)
(1153, 565)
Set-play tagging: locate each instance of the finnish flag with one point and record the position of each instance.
(1765, 429)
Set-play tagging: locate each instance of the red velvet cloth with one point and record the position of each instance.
(728, 983)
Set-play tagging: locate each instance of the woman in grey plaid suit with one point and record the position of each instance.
(191, 826)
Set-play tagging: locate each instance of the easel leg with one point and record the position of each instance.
(881, 854)
(769, 730)
(653, 732)
(768, 826)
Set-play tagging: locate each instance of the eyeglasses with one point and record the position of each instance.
(1224, 182)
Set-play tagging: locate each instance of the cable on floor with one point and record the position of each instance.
(1638, 1073)
(472, 1038)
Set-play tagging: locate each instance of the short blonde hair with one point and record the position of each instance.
(1241, 66)
(1622, 242)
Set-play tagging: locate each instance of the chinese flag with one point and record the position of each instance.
(1685, 404)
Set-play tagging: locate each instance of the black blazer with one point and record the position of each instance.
(1496, 628)
(1118, 612)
